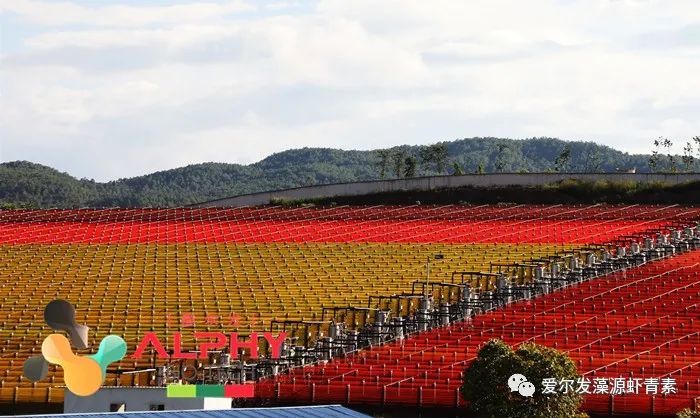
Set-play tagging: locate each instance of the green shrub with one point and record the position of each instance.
(485, 385)
(688, 413)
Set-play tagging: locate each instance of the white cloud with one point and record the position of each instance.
(57, 13)
(119, 90)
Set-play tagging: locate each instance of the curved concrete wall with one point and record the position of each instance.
(438, 182)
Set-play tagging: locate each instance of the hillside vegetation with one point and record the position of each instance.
(25, 184)
(563, 192)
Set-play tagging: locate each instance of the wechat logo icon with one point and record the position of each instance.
(518, 383)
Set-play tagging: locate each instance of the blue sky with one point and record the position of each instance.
(110, 89)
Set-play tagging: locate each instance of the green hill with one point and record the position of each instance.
(26, 184)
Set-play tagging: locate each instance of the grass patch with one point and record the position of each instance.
(564, 192)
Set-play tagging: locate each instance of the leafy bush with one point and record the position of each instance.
(486, 389)
(688, 413)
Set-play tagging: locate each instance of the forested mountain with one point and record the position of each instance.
(26, 184)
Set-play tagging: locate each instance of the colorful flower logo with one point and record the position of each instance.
(83, 375)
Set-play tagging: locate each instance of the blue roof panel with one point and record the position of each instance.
(321, 411)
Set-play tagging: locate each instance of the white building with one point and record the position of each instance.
(123, 399)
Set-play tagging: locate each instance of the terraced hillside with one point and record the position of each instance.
(129, 271)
